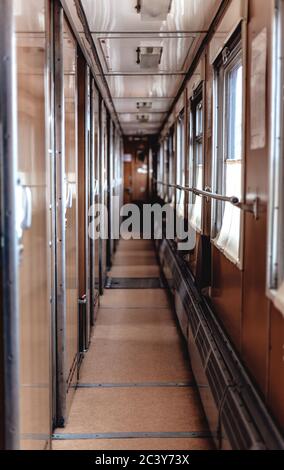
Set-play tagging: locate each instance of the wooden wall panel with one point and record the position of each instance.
(276, 369)
(226, 294)
(2, 404)
(255, 332)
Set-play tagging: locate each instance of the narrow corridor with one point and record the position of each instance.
(136, 390)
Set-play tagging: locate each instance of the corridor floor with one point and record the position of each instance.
(136, 390)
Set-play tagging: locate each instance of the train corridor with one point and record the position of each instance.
(136, 390)
(163, 118)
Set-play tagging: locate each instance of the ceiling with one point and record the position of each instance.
(118, 30)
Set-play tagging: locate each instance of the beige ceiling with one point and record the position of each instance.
(118, 30)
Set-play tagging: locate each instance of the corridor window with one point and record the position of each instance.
(180, 164)
(171, 151)
(228, 150)
(160, 188)
(275, 263)
(166, 170)
(196, 157)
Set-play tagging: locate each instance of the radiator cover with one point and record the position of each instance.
(237, 416)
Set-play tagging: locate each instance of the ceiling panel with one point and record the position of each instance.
(141, 126)
(130, 132)
(132, 117)
(157, 86)
(119, 54)
(118, 30)
(129, 105)
(121, 16)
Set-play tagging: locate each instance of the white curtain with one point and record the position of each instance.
(195, 209)
(228, 239)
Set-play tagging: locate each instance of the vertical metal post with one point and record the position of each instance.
(9, 320)
(61, 378)
(101, 196)
(88, 193)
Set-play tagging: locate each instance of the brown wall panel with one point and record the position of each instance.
(226, 294)
(255, 305)
(276, 370)
(2, 404)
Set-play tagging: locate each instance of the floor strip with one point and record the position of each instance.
(138, 385)
(133, 283)
(133, 435)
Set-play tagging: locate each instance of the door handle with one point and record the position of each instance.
(24, 211)
(69, 195)
(96, 187)
(69, 201)
(27, 208)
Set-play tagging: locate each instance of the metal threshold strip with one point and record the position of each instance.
(138, 385)
(132, 435)
(134, 283)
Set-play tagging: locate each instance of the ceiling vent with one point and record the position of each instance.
(156, 10)
(144, 105)
(143, 118)
(149, 57)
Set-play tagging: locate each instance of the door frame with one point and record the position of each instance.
(9, 288)
(95, 196)
(60, 373)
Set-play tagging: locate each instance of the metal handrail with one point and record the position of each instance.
(198, 192)
(252, 207)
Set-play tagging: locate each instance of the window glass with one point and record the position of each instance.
(235, 92)
(180, 164)
(196, 158)
(166, 170)
(228, 149)
(160, 170)
(171, 150)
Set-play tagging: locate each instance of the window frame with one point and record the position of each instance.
(180, 148)
(180, 158)
(275, 251)
(160, 170)
(195, 153)
(231, 55)
(196, 139)
(171, 150)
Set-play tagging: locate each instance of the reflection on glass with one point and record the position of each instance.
(70, 107)
(32, 171)
(235, 93)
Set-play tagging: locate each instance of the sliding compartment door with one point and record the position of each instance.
(103, 196)
(31, 24)
(71, 209)
(66, 109)
(94, 173)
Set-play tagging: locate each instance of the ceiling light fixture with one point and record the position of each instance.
(149, 57)
(143, 118)
(144, 105)
(150, 10)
